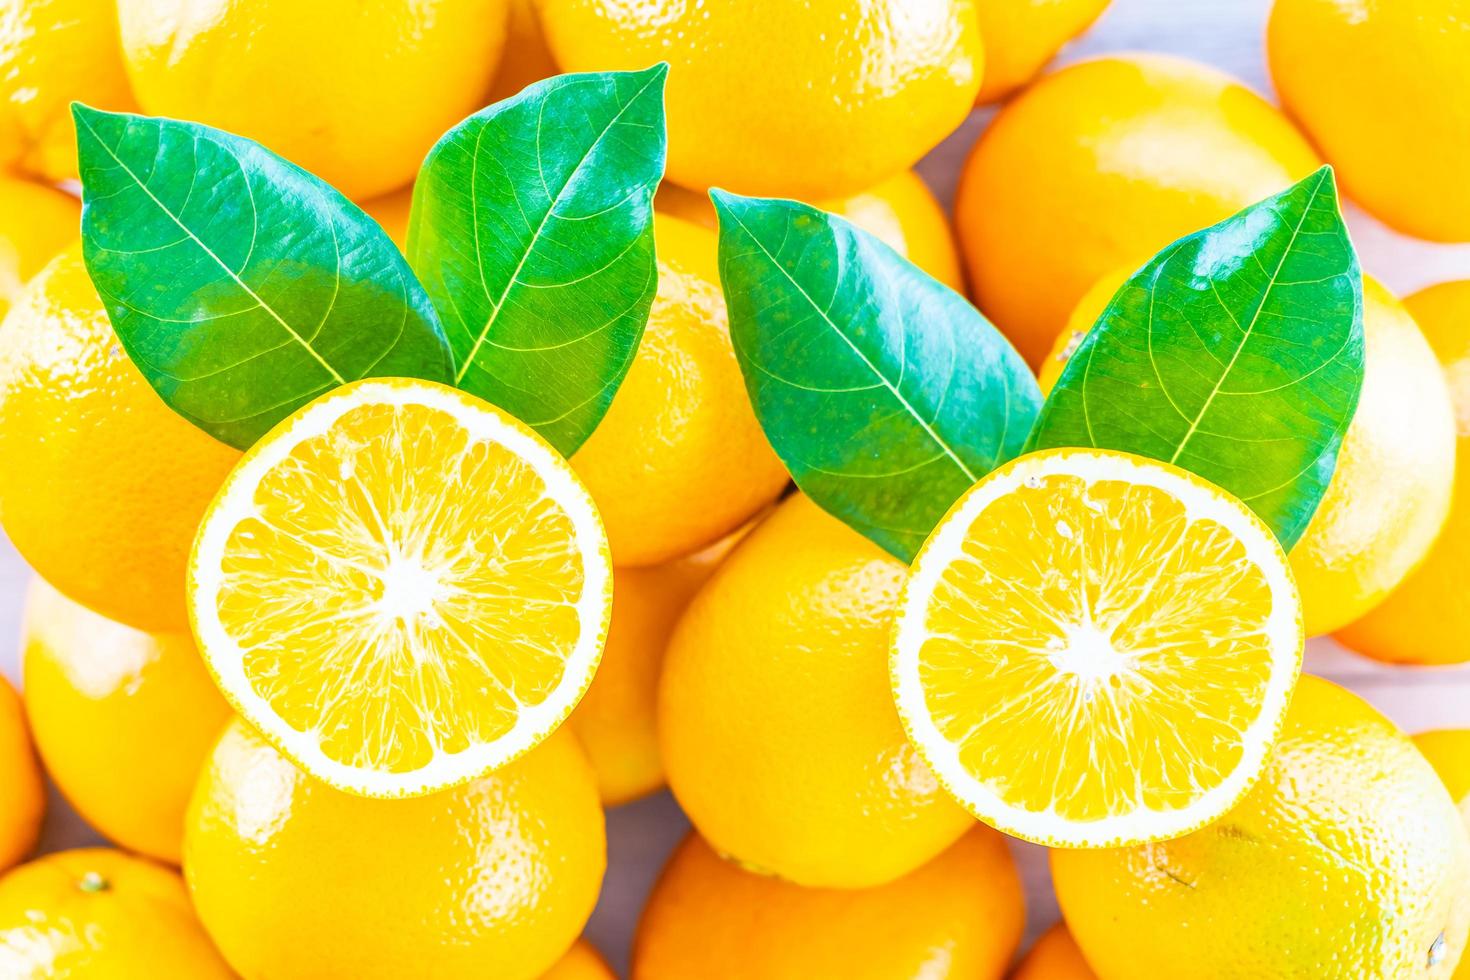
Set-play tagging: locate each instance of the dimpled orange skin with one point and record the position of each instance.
(616, 720)
(295, 879)
(1378, 84)
(101, 914)
(1391, 490)
(1054, 957)
(808, 100)
(957, 916)
(1021, 36)
(679, 460)
(1448, 751)
(36, 222)
(901, 211)
(1346, 861)
(1426, 619)
(51, 53)
(355, 93)
(1100, 165)
(123, 719)
(101, 485)
(21, 788)
(776, 722)
(582, 962)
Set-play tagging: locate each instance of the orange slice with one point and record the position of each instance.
(402, 587)
(1094, 649)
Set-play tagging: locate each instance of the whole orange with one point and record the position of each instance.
(122, 718)
(20, 782)
(1100, 165)
(958, 916)
(1054, 957)
(101, 485)
(816, 99)
(36, 222)
(1021, 36)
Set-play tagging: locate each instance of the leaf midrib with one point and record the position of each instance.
(259, 301)
(1250, 328)
(907, 406)
(498, 305)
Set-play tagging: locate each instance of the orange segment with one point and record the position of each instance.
(403, 587)
(1095, 648)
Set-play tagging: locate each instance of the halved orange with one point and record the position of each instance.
(402, 587)
(1094, 649)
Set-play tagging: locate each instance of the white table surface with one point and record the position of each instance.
(1227, 33)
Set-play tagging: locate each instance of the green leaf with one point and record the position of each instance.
(886, 394)
(532, 229)
(241, 285)
(1236, 353)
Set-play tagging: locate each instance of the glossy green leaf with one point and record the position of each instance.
(1236, 353)
(532, 229)
(241, 285)
(886, 394)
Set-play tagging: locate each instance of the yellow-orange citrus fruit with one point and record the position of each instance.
(582, 962)
(1395, 475)
(778, 732)
(1084, 317)
(1378, 84)
(1347, 860)
(957, 916)
(391, 211)
(616, 720)
(122, 718)
(679, 461)
(1021, 36)
(1054, 957)
(36, 222)
(901, 211)
(1426, 619)
(402, 587)
(20, 782)
(816, 99)
(354, 93)
(294, 879)
(101, 485)
(103, 915)
(1100, 165)
(1096, 649)
(1448, 751)
(51, 53)
(526, 58)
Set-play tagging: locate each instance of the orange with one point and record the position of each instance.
(391, 211)
(680, 461)
(616, 719)
(526, 59)
(901, 211)
(123, 719)
(20, 782)
(957, 916)
(292, 878)
(1100, 165)
(354, 93)
(582, 962)
(36, 222)
(1096, 649)
(101, 485)
(1021, 36)
(777, 728)
(1395, 474)
(1426, 619)
(51, 53)
(810, 100)
(1054, 957)
(1379, 85)
(101, 914)
(401, 587)
(1448, 751)
(1084, 317)
(1347, 860)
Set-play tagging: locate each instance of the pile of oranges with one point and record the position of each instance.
(746, 664)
